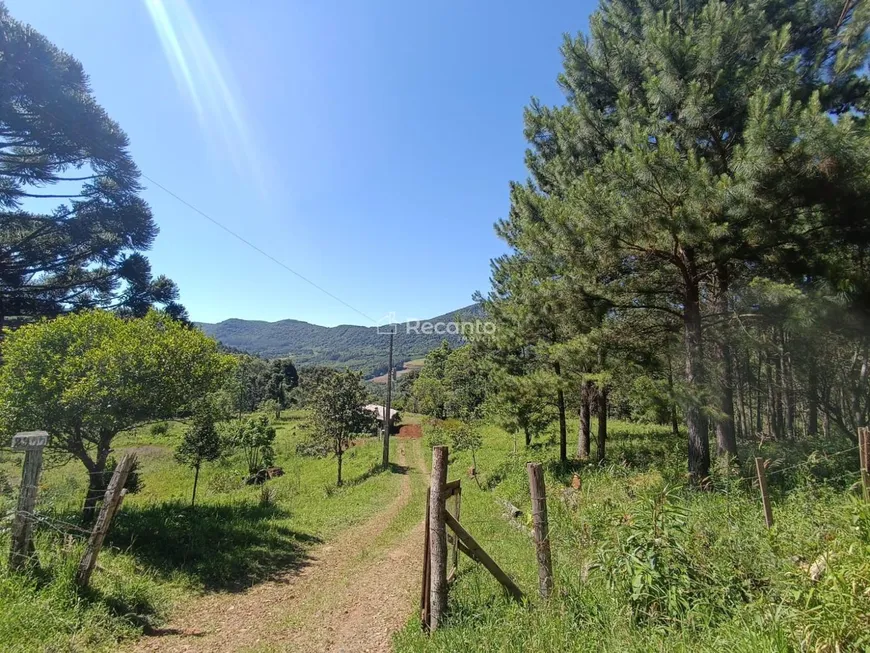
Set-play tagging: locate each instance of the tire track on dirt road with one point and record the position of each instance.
(351, 597)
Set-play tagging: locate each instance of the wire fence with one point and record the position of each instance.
(495, 523)
(805, 463)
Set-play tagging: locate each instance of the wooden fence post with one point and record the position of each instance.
(22, 525)
(864, 460)
(542, 529)
(457, 502)
(425, 609)
(765, 497)
(114, 495)
(438, 538)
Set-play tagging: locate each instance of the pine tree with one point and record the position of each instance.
(672, 169)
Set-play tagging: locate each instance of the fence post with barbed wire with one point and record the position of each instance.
(22, 549)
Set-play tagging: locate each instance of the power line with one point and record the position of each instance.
(255, 248)
(247, 242)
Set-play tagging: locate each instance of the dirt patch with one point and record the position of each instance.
(410, 432)
(349, 598)
(382, 379)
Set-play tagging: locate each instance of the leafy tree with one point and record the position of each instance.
(86, 252)
(530, 305)
(452, 383)
(405, 398)
(464, 437)
(337, 412)
(255, 436)
(201, 443)
(430, 396)
(282, 380)
(86, 377)
(310, 378)
(271, 407)
(246, 389)
(466, 375)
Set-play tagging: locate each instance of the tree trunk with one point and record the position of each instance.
(338, 482)
(787, 387)
(602, 422)
(780, 398)
(563, 427)
(195, 482)
(675, 427)
(759, 413)
(857, 410)
(585, 432)
(96, 482)
(696, 421)
(528, 435)
(772, 413)
(750, 422)
(726, 442)
(813, 399)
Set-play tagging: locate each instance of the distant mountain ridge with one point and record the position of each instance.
(358, 347)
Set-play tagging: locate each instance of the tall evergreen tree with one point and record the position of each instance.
(57, 143)
(668, 173)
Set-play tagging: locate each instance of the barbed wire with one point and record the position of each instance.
(805, 463)
(560, 528)
(63, 527)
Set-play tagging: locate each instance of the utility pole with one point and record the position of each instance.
(387, 424)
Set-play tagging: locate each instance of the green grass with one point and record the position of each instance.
(643, 564)
(160, 552)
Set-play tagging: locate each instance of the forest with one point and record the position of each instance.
(691, 241)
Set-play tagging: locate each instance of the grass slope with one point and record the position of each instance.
(642, 564)
(161, 552)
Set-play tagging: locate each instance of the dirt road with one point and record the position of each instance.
(351, 597)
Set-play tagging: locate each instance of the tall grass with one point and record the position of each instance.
(642, 563)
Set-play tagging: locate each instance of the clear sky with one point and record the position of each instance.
(366, 144)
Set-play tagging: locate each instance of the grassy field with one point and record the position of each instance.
(160, 552)
(643, 564)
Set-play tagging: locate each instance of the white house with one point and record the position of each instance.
(378, 412)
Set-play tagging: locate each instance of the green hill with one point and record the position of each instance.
(358, 347)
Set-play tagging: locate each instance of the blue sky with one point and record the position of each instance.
(329, 134)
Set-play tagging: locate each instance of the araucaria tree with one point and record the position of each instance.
(86, 377)
(57, 144)
(702, 144)
(337, 412)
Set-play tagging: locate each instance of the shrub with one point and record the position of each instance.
(159, 429)
(268, 496)
(655, 571)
